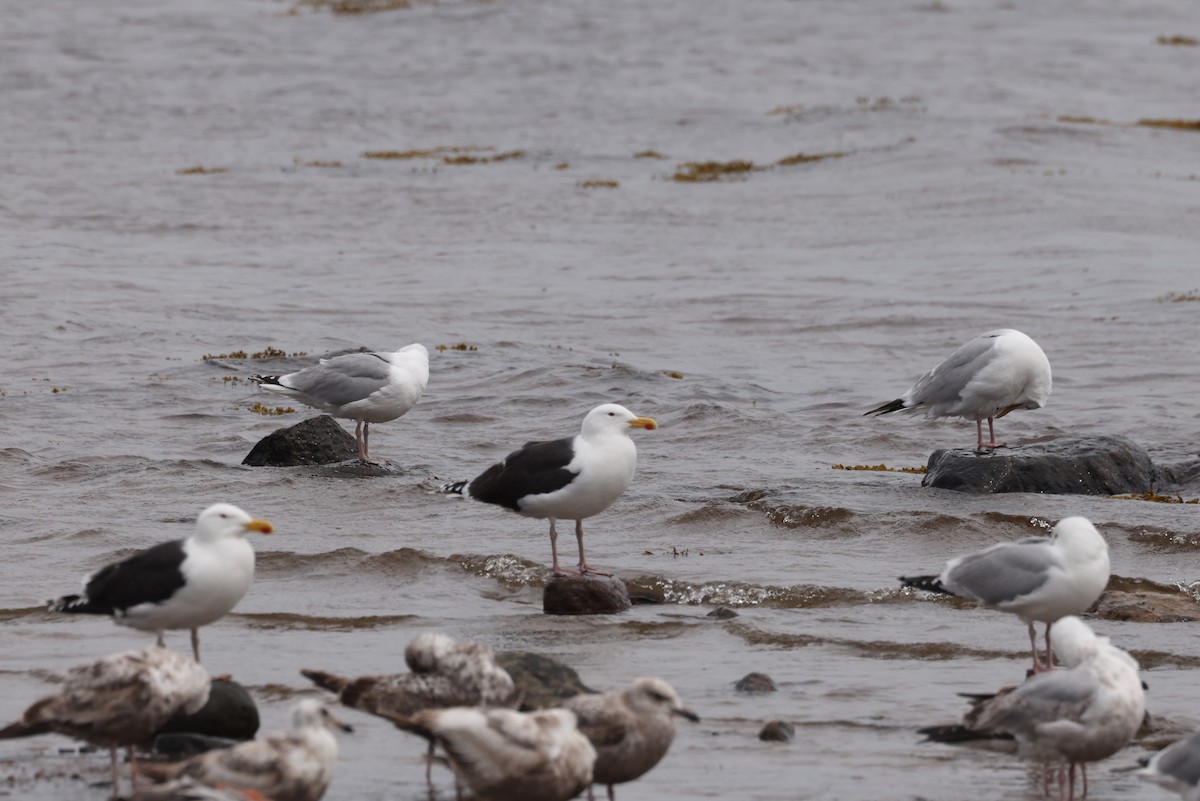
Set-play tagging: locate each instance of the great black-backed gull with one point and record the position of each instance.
(631, 730)
(1070, 717)
(118, 701)
(1038, 579)
(505, 755)
(183, 584)
(995, 373)
(296, 765)
(366, 387)
(444, 673)
(572, 478)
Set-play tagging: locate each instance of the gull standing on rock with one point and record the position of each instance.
(505, 755)
(183, 584)
(296, 765)
(995, 373)
(120, 700)
(367, 387)
(1036, 578)
(631, 730)
(570, 478)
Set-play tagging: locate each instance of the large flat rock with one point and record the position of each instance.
(1100, 465)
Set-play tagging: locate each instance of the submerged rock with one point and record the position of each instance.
(588, 594)
(1101, 465)
(318, 440)
(779, 731)
(1147, 606)
(755, 683)
(230, 713)
(544, 681)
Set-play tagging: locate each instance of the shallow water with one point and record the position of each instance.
(790, 299)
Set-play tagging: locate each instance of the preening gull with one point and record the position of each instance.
(183, 584)
(570, 478)
(1037, 578)
(993, 374)
(120, 700)
(366, 387)
(444, 673)
(505, 755)
(1071, 717)
(296, 765)
(1177, 767)
(631, 730)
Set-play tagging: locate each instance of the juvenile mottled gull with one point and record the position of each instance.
(1037, 578)
(504, 755)
(1177, 767)
(366, 387)
(631, 730)
(995, 373)
(183, 584)
(120, 700)
(570, 478)
(296, 765)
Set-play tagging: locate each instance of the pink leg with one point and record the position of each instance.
(366, 449)
(991, 437)
(558, 571)
(196, 644)
(1038, 667)
(133, 769)
(1083, 770)
(1049, 650)
(116, 776)
(584, 567)
(358, 440)
(1071, 783)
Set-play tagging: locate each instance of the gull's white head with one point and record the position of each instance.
(655, 696)
(1030, 369)
(426, 650)
(311, 713)
(1079, 537)
(611, 417)
(223, 520)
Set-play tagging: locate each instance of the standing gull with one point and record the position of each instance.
(182, 584)
(630, 730)
(1177, 767)
(570, 478)
(1075, 716)
(367, 387)
(986, 378)
(504, 755)
(296, 765)
(1037, 578)
(120, 700)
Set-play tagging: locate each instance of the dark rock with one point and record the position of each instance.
(588, 594)
(181, 745)
(1147, 606)
(779, 731)
(1102, 465)
(645, 598)
(318, 440)
(230, 713)
(543, 680)
(722, 613)
(755, 683)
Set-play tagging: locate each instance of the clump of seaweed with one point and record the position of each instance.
(458, 346)
(201, 170)
(468, 159)
(882, 468)
(790, 110)
(563, 165)
(598, 184)
(258, 408)
(1154, 497)
(705, 171)
(350, 7)
(1181, 297)
(316, 163)
(648, 154)
(1083, 120)
(805, 158)
(671, 373)
(270, 352)
(1178, 41)
(1179, 125)
(425, 153)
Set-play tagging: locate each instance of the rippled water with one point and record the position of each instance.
(983, 168)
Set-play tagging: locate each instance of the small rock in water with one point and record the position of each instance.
(755, 683)
(589, 594)
(318, 440)
(722, 613)
(544, 680)
(779, 731)
(1102, 465)
(230, 713)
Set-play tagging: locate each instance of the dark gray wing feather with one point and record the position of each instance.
(342, 379)
(1002, 573)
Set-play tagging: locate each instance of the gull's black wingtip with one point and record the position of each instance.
(891, 406)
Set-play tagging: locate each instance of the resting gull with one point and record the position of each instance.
(1071, 717)
(631, 730)
(1037, 578)
(366, 387)
(183, 584)
(1177, 767)
(505, 755)
(993, 374)
(296, 765)
(120, 700)
(570, 478)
